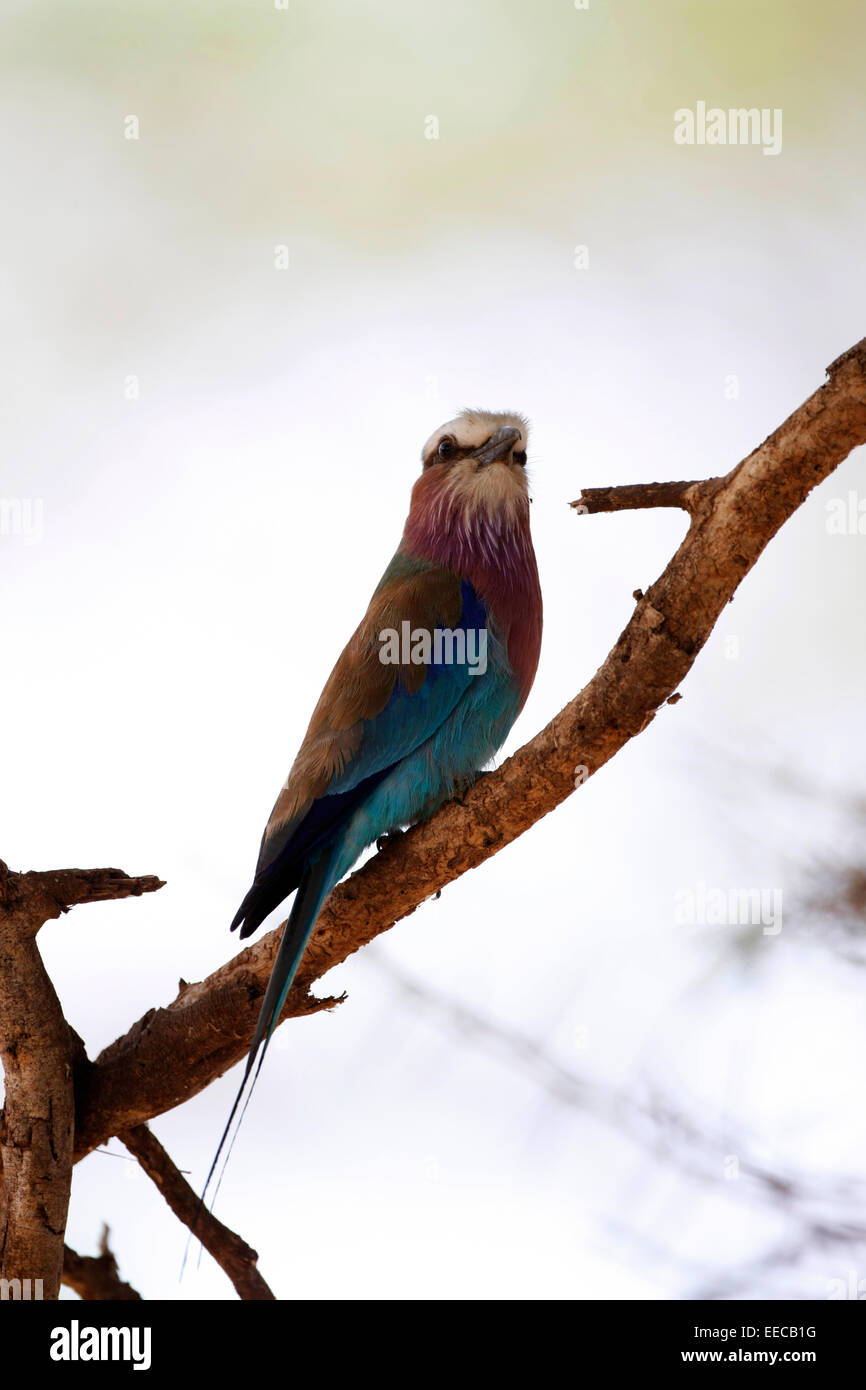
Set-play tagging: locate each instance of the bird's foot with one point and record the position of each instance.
(388, 838)
(462, 790)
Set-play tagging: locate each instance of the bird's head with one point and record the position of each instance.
(471, 502)
(470, 513)
(476, 464)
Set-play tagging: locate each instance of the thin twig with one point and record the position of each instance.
(632, 496)
(232, 1254)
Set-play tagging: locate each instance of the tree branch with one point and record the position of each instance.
(38, 896)
(689, 496)
(40, 1054)
(174, 1052)
(232, 1253)
(96, 1277)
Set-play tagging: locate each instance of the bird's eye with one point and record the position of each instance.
(520, 458)
(446, 447)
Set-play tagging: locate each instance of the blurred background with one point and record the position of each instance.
(252, 255)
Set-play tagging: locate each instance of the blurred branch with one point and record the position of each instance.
(827, 905)
(659, 1127)
(173, 1053)
(96, 1277)
(235, 1257)
(784, 1257)
(817, 1211)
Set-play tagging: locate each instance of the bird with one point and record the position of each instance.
(423, 695)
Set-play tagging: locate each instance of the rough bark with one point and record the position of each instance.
(40, 1054)
(96, 1278)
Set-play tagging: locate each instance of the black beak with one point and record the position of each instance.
(498, 446)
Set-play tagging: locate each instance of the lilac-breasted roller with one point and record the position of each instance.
(424, 693)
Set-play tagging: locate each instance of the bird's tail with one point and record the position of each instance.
(314, 887)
